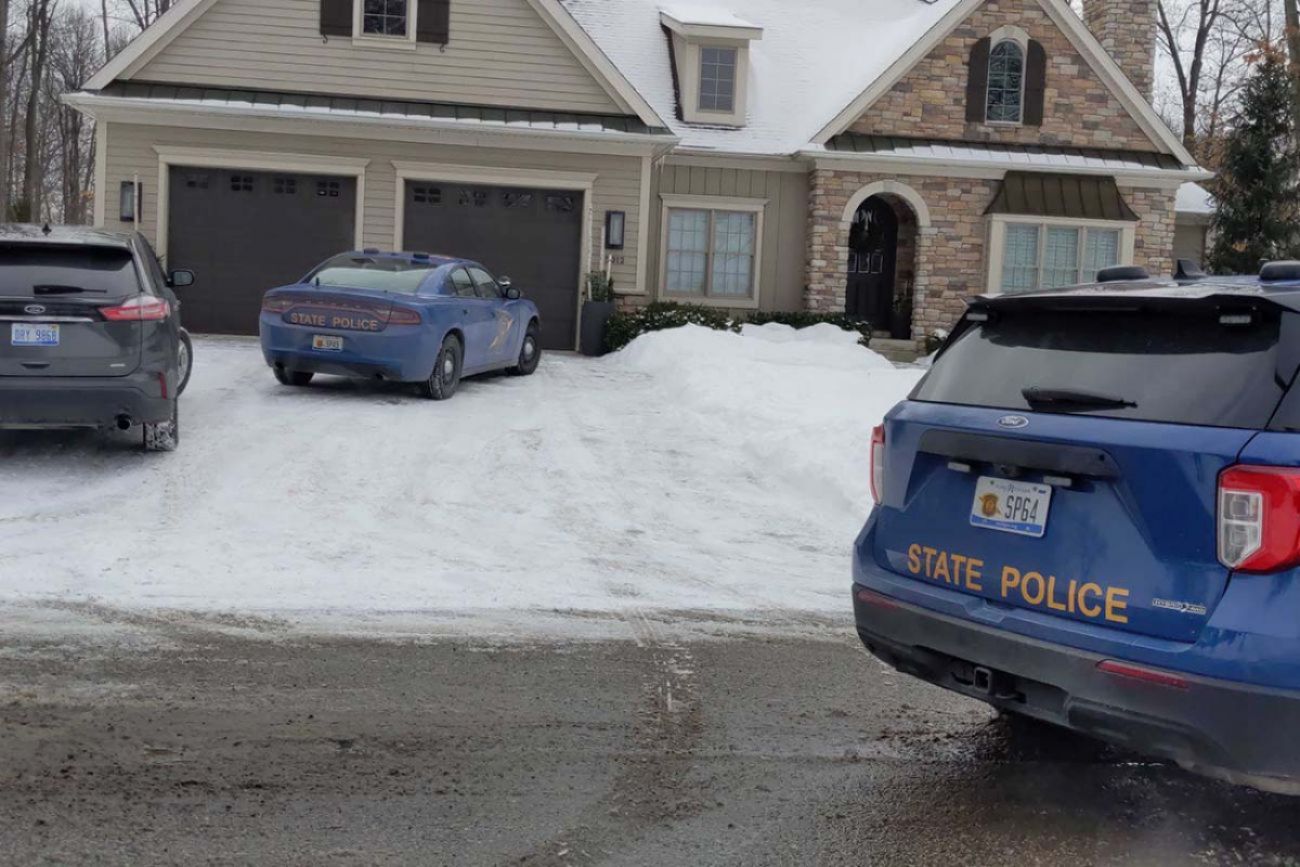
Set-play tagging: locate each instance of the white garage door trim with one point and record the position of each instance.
(503, 177)
(266, 161)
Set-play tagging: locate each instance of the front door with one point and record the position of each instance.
(873, 249)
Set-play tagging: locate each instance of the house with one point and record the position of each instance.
(1193, 213)
(884, 158)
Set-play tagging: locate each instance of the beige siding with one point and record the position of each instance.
(617, 186)
(501, 53)
(785, 222)
(1189, 241)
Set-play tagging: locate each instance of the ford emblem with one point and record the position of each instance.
(1015, 422)
(34, 309)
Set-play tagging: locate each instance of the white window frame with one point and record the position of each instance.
(998, 236)
(375, 40)
(757, 207)
(735, 80)
(1008, 33)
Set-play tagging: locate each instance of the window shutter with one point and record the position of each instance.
(977, 81)
(1035, 83)
(336, 17)
(434, 22)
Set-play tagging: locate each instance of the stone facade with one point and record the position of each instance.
(1079, 110)
(951, 259)
(1127, 30)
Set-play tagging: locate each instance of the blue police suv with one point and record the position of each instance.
(399, 317)
(1088, 512)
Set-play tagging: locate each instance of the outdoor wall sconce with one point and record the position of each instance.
(126, 202)
(615, 227)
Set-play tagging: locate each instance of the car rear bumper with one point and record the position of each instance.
(91, 402)
(398, 354)
(1238, 732)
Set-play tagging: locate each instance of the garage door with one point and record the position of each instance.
(244, 232)
(532, 236)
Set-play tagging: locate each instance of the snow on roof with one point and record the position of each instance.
(1193, 199)
(706, 16)
(814, 59)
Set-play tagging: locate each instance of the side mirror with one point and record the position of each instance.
(177, 279)
(513, 294)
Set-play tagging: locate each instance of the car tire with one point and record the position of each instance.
(444, 379)
(164, 436)
(297, 378)
(184, 361)
(530, 352)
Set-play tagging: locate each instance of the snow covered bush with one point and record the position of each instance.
(805, 319)
(626, 325)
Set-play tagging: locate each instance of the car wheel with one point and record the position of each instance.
(442, 383)
(184, 361)
(164, 436)
(530, 352)
(297, 378)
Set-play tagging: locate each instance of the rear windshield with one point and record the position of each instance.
(47, 271)
(1161, 365)
(364, 272)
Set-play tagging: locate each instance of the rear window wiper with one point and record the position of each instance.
(55, 289)
(1062, 398)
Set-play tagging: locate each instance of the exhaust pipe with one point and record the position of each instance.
(124, 422)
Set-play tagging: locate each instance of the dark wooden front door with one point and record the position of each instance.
(873, 250)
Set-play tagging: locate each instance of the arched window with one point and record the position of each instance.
(1005, 100)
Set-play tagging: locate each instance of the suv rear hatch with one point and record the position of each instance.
(52, 302)
(1101, 423)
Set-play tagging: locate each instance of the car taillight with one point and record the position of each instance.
(1259, 518)
(141, 308)
(271, 304)
(877, 462)
(402, 316)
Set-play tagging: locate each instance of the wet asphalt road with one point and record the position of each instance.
(200, 746)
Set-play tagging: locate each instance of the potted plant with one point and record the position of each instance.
(900, 319)
(596, 310)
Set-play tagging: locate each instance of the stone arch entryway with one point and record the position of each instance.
(880, 278)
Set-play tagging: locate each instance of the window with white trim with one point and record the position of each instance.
(717, 79)
(1045, 256)
(711, 254)
(385, 18)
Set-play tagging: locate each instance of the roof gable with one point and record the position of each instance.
(210, 42)
(1099, 63)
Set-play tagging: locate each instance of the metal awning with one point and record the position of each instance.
(1081, 197)
(311, 104)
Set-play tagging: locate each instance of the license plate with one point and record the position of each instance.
(1012, 507)
(327, 342)
(34, 334)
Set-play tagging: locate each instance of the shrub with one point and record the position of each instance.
(626, 325)
(600, 286)
(803, 319)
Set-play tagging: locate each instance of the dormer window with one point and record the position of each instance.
(1005, 99)
(384, 18)
(710, 51)
(717, 79)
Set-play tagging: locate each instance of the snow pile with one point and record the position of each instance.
(695, 470)
(798, 403)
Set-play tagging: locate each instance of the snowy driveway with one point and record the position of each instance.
(695, 471)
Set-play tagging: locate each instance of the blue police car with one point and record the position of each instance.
(399, 317)
(1088, 512)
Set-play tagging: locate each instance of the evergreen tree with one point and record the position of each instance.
(1257, 195)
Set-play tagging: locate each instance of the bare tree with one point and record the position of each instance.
(1206, 42)
(75, 54)
(40, 17)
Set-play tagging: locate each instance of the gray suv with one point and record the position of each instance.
(90, 334)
